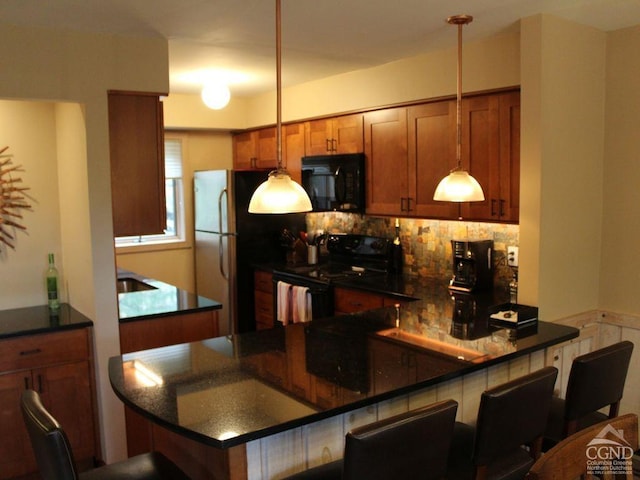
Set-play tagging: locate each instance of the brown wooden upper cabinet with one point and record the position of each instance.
(491, 152)
(293, 149)
(255, 149)
(136, 142)
(387, 170)
(409, 150)
(334, 135)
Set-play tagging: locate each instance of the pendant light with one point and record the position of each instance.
(459, 186)
(279, 193)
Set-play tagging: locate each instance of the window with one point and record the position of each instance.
(174, 231)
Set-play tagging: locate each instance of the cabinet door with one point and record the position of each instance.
(318, 137)
(244, 150)
(16, 454)
(266, 157)
(481, 153)
(341, 134)
(509, 207)
(66, 393)
(385, 146)
(293, 149)
(432, 155)
(136, 142)
(347, 134)
(491, 152)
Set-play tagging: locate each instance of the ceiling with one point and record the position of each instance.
(235, 39)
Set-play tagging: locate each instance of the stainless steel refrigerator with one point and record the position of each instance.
(230, 241)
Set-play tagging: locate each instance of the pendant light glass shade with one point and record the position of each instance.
(279, 193)
(459, 185)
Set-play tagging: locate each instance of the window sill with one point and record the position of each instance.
(152, 246)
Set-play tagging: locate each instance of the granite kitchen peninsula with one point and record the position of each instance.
(272, 402)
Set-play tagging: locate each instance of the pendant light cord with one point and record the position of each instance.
(459, 102)
(278, 86)
(460, 21)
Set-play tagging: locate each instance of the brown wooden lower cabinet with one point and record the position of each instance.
(59, 366)
(347, 301)
(154, 333)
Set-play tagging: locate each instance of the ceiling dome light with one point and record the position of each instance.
(215, 95)
(459, 186)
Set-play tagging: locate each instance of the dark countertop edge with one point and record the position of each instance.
(570, 334)
(51, 329)
(171, 313)
(41, 321)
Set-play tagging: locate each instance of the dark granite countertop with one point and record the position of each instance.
(39, 319)
(160, 301)
(229, 390)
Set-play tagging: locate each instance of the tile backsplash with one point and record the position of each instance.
(426, 244)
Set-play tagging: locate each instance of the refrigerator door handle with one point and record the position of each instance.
(223, 193)
(225, 274)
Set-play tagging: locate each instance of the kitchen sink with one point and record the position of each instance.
(127, 285)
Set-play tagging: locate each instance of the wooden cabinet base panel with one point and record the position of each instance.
(199, 461)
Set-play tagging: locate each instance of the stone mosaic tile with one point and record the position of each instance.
(426, 243)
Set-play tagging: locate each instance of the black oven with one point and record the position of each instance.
(335, 182)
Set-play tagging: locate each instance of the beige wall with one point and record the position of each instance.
(22, 279)
(202, 150)
(66, 66)
(562, 163)
(620, 273)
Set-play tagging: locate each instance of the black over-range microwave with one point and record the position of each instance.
(335, 182)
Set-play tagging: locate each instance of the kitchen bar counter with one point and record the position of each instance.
(228, 391)
(39, 319)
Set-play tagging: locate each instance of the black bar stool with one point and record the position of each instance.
(410, 445)
(596, 381)
(510, 416)
(55, 458)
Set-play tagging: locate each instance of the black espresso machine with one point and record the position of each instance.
(472, 265)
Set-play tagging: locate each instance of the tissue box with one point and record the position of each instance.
(512, 315)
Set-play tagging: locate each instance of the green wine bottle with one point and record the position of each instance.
(52, 284)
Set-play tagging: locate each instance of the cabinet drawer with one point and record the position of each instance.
(263, 281)
(350, 301)
(264, 310)
(43, 349)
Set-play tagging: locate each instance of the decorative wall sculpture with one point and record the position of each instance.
(12, 201)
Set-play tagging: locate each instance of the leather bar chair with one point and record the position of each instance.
(55, 458)
(569, 458)
(410, 445)
(507, 436)
(596, 381)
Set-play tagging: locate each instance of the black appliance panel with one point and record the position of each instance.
(335, 182)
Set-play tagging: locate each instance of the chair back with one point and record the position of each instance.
(576, 455)
(513, 414)
(49, 442)
(597, 380)
(411, 445)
